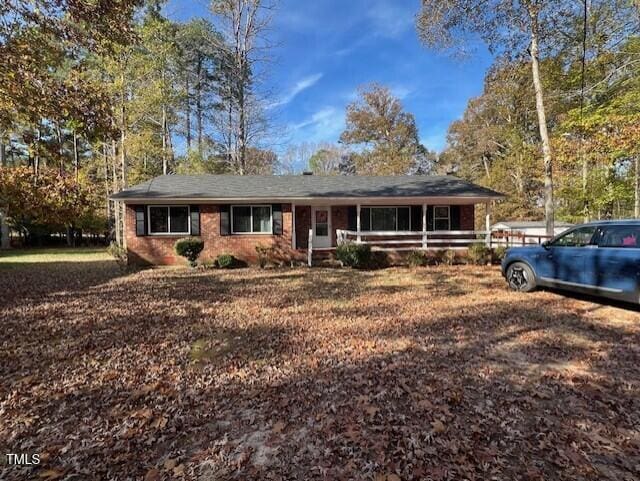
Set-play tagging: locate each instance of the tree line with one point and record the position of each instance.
(96, 96)
(556, 127)
(101, 92)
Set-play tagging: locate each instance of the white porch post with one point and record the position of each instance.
(487, 221)
(424, 226)
(359, 237)
(293, 226)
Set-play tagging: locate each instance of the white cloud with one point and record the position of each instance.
(401, 91)
(391, 18)
(325, 125)
(300, 86)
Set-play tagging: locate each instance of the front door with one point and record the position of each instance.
(321, 227)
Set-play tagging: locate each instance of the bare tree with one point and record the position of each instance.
(243, 24)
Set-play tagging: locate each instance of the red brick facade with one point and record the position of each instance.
(159, 249)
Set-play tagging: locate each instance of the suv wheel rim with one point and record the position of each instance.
(517, 278)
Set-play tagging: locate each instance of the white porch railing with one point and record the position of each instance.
(515, 239)
(410, 240)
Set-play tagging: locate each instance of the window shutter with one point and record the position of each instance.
(416, 218)
(195, 219)
(141, 220)
(429, 217)
(225, 219)
(276, 214)
(352, 217)
(365, 219)
(454, 212)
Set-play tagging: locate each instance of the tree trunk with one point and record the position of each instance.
(4, 225)
(76, 155)
(188, 112)
(116, 210)
(3, 153)
(636, 187)
(585, 177)
(199, 104)
(542, 124)
(106, 180)
(164, 140)
(70, 236)
(36, 159)
(60, 148)
(123, 137)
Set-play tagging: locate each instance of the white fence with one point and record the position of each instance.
(515, 239)
(410, 240)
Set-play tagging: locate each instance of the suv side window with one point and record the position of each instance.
(579, 237)
(619, 236)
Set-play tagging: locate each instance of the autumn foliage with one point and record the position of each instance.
(49, 199)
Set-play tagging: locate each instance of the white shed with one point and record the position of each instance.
(524, 232)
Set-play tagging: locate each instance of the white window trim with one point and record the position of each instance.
(252, 206)
(448, 218)
(168, 207)
(396, 207)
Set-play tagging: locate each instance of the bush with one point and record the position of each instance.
(225, 261)
(189, 248)
(119, 253)
(354, 255)
(479, 254)
(272, 256)
(417, 258)
(499, 253)
(449, 257)
(378, 260)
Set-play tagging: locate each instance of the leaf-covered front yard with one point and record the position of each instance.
(435, 373)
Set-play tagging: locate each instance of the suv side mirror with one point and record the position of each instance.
(546, 244)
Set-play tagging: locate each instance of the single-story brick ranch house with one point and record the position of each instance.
(293, 213)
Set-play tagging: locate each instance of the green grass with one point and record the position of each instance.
(24, 257)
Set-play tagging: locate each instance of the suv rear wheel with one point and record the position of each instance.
(520, 277)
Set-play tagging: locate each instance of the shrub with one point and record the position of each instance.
(272, 256)
(119, 253)
(499, 253)
(225, 261)
(378, 260)
(189, 248)
(354, 255)
(263, 255)
(479, 254)
(417, 258)
(449, 257)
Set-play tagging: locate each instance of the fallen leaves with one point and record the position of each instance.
(391, 375)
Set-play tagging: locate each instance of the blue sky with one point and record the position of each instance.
(325, 49)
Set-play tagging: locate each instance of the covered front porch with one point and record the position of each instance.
(385, 225)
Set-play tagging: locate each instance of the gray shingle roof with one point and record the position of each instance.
(301, 186)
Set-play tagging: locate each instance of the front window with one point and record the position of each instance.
(441, 217)
(169, 219)
(579, 237)
(251, 219)
(621, 236)
(386, 218)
